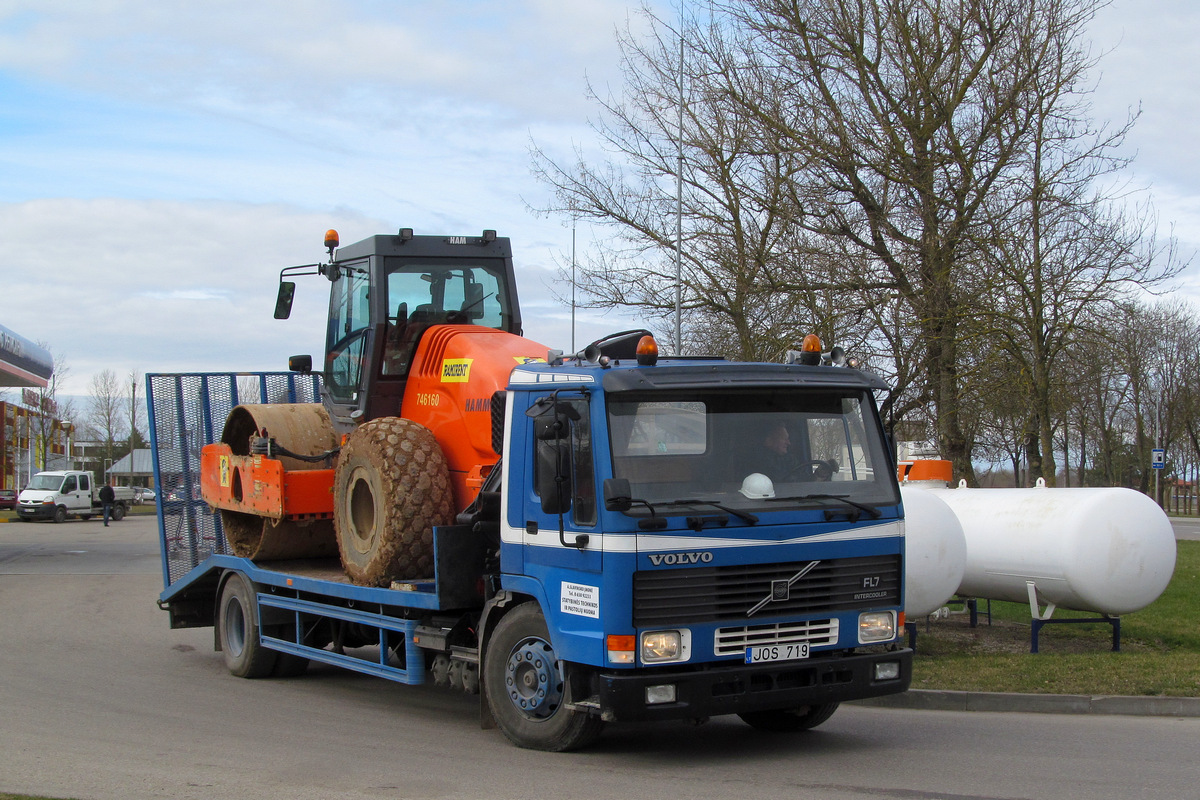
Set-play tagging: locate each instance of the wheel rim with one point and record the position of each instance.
(360, 503)
(533, 679)
(235, 627)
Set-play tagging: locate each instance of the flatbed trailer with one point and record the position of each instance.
(565, 606)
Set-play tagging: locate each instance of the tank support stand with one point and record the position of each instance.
(1042, 618)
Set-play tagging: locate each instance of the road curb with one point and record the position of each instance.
(941, 700)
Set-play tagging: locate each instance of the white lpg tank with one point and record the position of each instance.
(935, 551)
(1108, 550)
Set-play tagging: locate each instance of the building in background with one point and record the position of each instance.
(30, 433)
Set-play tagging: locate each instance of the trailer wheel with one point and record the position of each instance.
(789, 720)
(391, 487)
(526, 687)
(237, 628)
(60, 514)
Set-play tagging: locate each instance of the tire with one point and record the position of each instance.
(390, 488)
(118, 513)
(60, 515)
(237, 630)
(526, 688)
(789, 720)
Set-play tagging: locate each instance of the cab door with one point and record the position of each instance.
(561, 525)
(76, 493)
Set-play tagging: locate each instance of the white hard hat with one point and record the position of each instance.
(757, 485)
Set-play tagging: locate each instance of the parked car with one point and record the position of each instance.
(8, 498)
(144, 495)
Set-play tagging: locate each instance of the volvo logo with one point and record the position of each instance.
(675, 559)
(781, 590)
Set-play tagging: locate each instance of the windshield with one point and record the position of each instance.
(435, 293)
(45, 483)
(764, 450)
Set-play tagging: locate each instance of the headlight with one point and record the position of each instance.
(876, 626)
(658, 647)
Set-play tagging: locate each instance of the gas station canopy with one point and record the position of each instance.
(23, 363)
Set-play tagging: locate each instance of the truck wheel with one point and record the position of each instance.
(60, 514)
(118, 513)
(391, 487)
(789, 720)
(527, 690)
(237, 629)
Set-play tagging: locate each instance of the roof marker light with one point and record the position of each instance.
(810, 350)
(647, 351)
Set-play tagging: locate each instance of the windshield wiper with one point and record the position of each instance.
(842, 499)
(744, 516)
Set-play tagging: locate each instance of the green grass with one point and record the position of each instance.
(1160, 648)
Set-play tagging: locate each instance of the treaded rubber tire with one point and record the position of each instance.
(789, 720)
(546, 723)
(60, 515)
(237, 629)
(390, 488)
(118, 513)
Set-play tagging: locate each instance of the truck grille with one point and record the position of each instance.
(716, 594)
(734, 641)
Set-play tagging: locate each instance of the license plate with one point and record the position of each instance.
(776, 652)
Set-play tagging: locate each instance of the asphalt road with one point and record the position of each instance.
(100, 699)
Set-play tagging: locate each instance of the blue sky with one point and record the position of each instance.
(160, 162)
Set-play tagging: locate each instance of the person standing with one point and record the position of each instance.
(107, 496)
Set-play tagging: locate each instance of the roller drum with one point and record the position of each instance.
(305, 429)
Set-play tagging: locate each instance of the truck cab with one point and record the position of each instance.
(692, 570)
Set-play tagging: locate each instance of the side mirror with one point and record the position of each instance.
(617, 494)
(473, 303)
(300, 364)
(283, 301)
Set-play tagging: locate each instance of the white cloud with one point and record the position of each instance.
(322, 57)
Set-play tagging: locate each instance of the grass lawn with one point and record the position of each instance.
(1160, 647)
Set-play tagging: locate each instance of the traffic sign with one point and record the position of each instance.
(1158, 458)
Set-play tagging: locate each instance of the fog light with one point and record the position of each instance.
(663, 693)
(887, 670)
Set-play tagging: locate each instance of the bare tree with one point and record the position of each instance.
(750, 281)
(53, 419)
(106, 412)
(912, 115)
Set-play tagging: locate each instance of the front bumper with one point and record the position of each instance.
(739, 688)
(39, 511)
